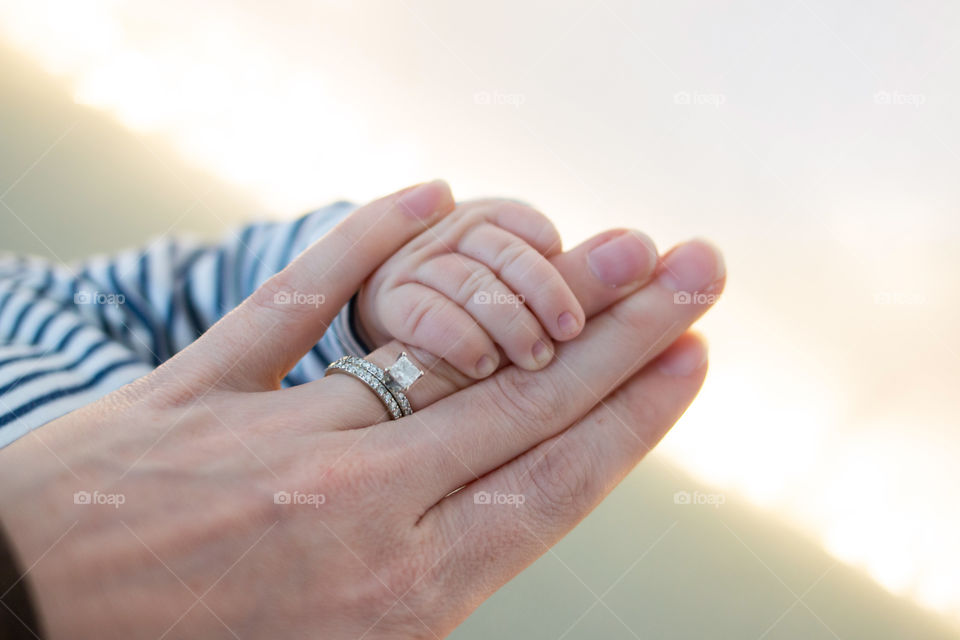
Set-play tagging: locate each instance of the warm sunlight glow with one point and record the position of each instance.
(796, 417)
(230, 106)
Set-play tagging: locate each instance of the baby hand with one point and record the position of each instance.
(478, 280)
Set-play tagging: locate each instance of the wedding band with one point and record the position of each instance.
(389, 385)
(365, 373)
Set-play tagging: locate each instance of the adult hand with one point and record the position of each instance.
(218, 505)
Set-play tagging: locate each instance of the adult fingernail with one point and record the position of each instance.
(683, 358)
(485, 366)
(567, 323)
(692, 267)
(541, 353)
(424, 200)
(623, 259)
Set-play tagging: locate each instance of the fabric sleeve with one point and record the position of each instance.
(70, 334)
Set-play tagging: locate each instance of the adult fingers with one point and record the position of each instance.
(254, 346)
(601, 271)
(517, 512)
(494, 421)
(622, 259)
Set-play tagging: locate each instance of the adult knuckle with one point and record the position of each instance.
(341, 479)
(631, 323)
(402, 573)
(529, 401)
(275, 294)
(160, 390)
(641, 411)
(265, 295)
(374, 589)
(562, 479)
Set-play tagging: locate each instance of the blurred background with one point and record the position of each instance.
(811, 491)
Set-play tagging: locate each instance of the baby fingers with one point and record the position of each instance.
(503, 314)
(425, 318)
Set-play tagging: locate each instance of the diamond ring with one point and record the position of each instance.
(389, 385)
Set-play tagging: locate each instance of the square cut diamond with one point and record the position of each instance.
(404, 372)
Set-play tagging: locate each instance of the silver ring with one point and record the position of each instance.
(389, 385)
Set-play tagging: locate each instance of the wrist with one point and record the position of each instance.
(86, 542)
(42, 527)
(18, 615)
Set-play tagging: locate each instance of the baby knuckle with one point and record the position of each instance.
(515, 255)
(507, 210)
(548, 236)
(469, 349)
(417, 315)
(483, 208)
(537, 227)
(479, 280)
(522, 326)
(543, 229)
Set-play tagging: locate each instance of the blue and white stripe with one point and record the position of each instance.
(71, 334)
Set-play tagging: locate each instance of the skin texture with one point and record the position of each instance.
(480, 279)
(375, 546)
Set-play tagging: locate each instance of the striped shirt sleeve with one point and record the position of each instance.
(70, 334)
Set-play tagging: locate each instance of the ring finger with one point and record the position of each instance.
(601, 271)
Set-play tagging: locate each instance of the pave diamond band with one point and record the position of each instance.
(389, 386)
(370, 378)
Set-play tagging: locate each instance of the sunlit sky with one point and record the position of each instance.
(816, 144)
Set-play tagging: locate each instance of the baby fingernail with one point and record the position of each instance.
(567, 323)
(626, 258)
(541, 353)
(692, 267)
(485, 366)
(424, 200)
